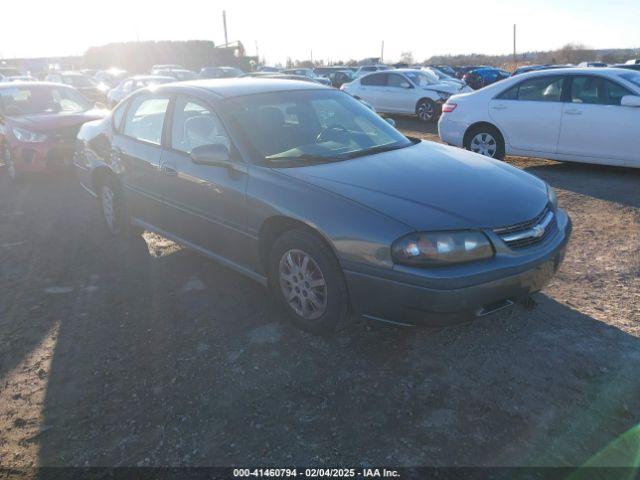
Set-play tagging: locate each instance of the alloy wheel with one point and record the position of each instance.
(303, 284)
(485, 144)
(425, 111)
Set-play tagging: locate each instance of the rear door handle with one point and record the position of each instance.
(169, 170)
(573, 111)
(499, 107)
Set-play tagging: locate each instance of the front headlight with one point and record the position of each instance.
(29, 136)
(431, 249)
(551, 194)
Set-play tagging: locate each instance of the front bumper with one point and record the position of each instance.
(412, 302)
(43, 157)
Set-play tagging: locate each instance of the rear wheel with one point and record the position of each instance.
(426, 110)
(486, 140)
(113, 208)
(306, 279)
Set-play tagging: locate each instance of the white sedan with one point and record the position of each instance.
(403, 91)
(132, 84)
(589, 115)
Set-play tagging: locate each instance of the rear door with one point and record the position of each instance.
(529, 113)
(372, 90)
(137, 150)
(595, 125)
(206, 204)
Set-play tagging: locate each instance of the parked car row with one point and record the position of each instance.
(589, 115)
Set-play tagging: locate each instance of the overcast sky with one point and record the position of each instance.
(333, 29)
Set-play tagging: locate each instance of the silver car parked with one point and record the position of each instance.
(309, 192)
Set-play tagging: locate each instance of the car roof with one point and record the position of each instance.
(33, 84)
(150, 77)
(606, 71)
(238, 87)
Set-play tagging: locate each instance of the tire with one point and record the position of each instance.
(13, 174)
(426, 110)
(312, 292)
(113, 208)
(485, 140)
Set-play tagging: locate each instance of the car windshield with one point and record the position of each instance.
(78, 81)
(310, 126)
(632, 77)
(34, 100)
(422, 79)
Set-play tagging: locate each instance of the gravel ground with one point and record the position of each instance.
(146, 354)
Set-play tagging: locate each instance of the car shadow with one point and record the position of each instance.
(594, 180)
(172, 360)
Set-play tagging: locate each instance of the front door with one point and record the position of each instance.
(595, 125)
(399, 95)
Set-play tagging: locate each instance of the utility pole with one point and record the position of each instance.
(224, 24)
(514, 45)
(382, 52)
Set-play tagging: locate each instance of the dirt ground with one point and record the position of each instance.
(146, 354)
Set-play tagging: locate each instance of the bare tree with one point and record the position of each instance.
(407, 57)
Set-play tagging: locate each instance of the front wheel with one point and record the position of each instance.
(426, 110)
(306, 279)
(486, 140)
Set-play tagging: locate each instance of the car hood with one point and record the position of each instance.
(45, 122)
(429, 186)
(447, 87)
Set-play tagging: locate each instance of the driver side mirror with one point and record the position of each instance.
(100, 106)
(390, 121)
(216, 155)
(406, 85)
(630, 101)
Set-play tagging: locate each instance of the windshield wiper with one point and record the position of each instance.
(374, 150)
(304, 157)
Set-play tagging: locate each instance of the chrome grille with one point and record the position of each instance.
(529, 233)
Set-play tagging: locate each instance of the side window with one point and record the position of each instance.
(614, 93)
(543, 89)
(511, 94)
(395, 80)
(194, 125)
(374, 80)
(596, 91)
(118, 116)
(145, 118)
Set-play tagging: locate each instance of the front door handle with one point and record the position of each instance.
(573, 111)
(499, 107)
(169, 170)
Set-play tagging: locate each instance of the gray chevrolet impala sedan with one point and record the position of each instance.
(310, 193)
